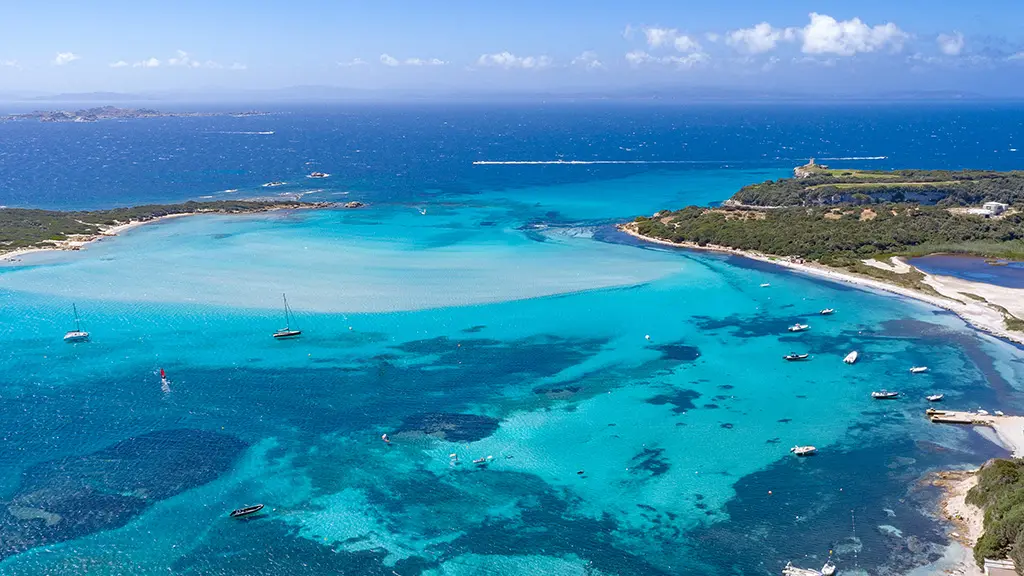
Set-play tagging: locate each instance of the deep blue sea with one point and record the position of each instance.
(629, 402)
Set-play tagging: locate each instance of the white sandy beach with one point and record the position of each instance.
(978, 314)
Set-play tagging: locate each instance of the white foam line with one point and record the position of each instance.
(578, 162)
(857, 158)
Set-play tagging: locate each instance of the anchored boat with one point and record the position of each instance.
(798, 327)
(803, 450)
(794, 357)
(934, 397)
(76, 335)
(287, 331)
(827, 311)
(885, 395)
(851, 357)
(918, 369)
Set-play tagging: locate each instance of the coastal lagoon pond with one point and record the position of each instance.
(629, 402)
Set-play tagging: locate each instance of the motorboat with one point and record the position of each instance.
(934, 397)
(246, 511)
(794, 357)
(803, 450)
(798, 327)
(918, 369)
(999, 413)
(274, 184)
(827, 311)
(851, 358)
(318, 175)
(76, 335)
(828, 569)
(885, 395)
(765, 285)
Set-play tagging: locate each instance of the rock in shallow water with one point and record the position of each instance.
(76, 496)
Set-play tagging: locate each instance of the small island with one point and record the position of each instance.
(113, 113)
(858, 225)
(24, 230)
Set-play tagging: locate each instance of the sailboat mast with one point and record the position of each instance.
(78, 324)
(287, 320)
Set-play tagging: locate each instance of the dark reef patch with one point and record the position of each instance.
(650, 460)
(473, 329)
(677, 352)
(681, 400)
(451, 427)
(76, 496)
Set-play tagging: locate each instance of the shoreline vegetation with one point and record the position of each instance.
(855, 227)
(812, 223)
(25, 230)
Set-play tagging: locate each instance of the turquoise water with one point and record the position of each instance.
(631, 402)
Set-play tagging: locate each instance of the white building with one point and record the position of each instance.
(995, 207)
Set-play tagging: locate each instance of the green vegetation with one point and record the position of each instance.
(1000, 492)
(824, 186)
(842, 236)
(28, 228)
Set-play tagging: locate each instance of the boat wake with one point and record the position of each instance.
(857, 158)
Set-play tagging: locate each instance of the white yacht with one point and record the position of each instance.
(827, 311)
(851, 357)
(76, 335)
(918, 369)
(803, 450)
(798, 327)
(934, 397)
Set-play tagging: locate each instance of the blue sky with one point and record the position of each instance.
(824, 45)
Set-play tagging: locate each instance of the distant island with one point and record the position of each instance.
(860, 223)
(114, 113)
(24, 230)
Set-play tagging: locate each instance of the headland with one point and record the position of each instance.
(855, 226)
(25, 230)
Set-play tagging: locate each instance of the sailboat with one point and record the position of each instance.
(287, 331)
(76, 335)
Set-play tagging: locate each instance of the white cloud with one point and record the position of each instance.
(238, 66)
(10, 64)
(65, 58)
(639, 57)
(508, 60)
(148, 63)
(353, 62)
(761, 38)
(389, 60)
(826, 35)
(951, 44)
(588, 60)
(184, 60)
(119, 64)
(1017, 56)
(713, 37)
(658, 37)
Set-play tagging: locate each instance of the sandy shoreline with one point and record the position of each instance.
(77, 242)
(978, 314)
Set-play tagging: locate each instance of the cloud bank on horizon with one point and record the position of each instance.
(758, 52)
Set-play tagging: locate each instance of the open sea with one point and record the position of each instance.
(629, 402)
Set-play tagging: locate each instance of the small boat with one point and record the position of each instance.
(385, 438)
(791, 570)
(885, 395)
(480, 461)
(274, 184)
(999, 413)
(247, 511)
(318, 175)
(798, 327)
(934, 397)
(828, 569)
(794, 357)
(827, 311)
(918, 369)
(851, 357)
(287, 331)
(76, 335)
(803, 450)
(982, 412)
(766, 285)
